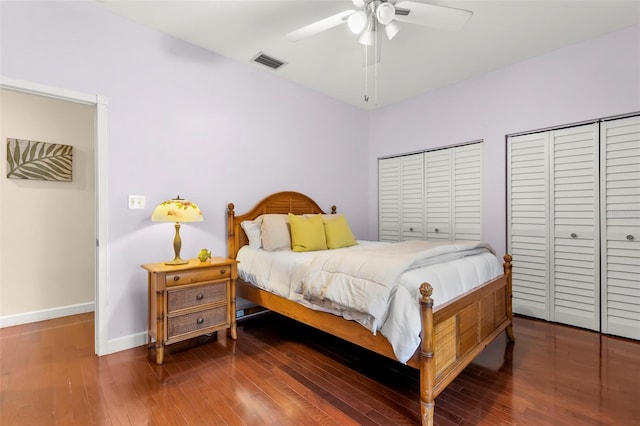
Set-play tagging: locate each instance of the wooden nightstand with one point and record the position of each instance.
(190, 300)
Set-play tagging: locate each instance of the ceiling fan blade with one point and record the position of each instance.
(430, 15)
(319, 26)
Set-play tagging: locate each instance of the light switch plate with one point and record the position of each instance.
(136, 202)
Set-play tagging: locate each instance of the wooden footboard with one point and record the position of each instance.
(455, 333)
(452, 335)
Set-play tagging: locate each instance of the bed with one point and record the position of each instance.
(453, 333)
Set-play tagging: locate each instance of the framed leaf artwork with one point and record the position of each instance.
(39, 160)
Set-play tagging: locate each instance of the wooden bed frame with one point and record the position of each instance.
(452, 335)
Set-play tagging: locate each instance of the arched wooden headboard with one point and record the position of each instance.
(280, 202)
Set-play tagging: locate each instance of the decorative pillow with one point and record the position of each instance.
(275, 232)
(253, 231)
(337, 231)
(307, 233)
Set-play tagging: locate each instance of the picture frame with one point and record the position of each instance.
(36, 160)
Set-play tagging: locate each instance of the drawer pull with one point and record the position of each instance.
(437, 230)
(200, 296)
(222, 271)
(410, 229)
(574, 235)
(630, 237)
(176, 277)
(200, 321)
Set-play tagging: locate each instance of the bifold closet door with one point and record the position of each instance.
(620, 214)
(412, 196)
(389, 209)
(553, 225)
(437, 188)
(434, 195)
(453, 193)
(467, 192)
(574, 249)
(528, 217)
(401, 198)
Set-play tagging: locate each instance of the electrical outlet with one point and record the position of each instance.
(136, 202)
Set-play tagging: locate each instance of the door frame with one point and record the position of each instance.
(101, 173)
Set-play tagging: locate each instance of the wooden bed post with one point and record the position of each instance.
(231, 237)
(427, 363)
(509, 294)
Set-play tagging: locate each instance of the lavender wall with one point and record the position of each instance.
(182, 120)
(186, 121)
(590, 80)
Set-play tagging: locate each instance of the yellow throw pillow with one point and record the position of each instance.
(307, 233)
(337, 232)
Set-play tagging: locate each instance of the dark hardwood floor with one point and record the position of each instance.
(280, 372)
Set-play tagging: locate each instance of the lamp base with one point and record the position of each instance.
(177, 261)
(177, 244)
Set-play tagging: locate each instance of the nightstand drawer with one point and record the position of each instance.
(194, 321)
(182, 298)
(198, 275)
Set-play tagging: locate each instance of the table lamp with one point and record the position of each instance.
(178, 211)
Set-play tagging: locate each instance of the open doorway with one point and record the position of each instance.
(64, 222)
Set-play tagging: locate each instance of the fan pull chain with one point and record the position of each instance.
(366, 74)
(375, 69)
(376, 59)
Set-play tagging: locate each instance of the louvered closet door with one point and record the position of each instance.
(438, 178)
(620, 211)
(412, 190)
(467, 192)
(574, 248)
(527, 194)
(389, 211)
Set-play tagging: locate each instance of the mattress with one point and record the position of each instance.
(284, 273)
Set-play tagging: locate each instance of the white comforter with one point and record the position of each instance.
(364, 280)
(374, 283)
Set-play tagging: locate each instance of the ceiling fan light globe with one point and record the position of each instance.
(391, 29)
(357, 22)
(367, 38)
(385, 13)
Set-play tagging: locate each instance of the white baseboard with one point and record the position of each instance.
(35, 316)
(114, 345)
(126, 342)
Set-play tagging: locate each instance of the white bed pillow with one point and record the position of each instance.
(253, 231)
(276, 234)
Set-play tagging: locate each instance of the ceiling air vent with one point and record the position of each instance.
(268, 61)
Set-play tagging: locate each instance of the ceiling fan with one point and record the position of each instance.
(371, 14)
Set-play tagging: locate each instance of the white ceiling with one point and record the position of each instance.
(417, 60)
